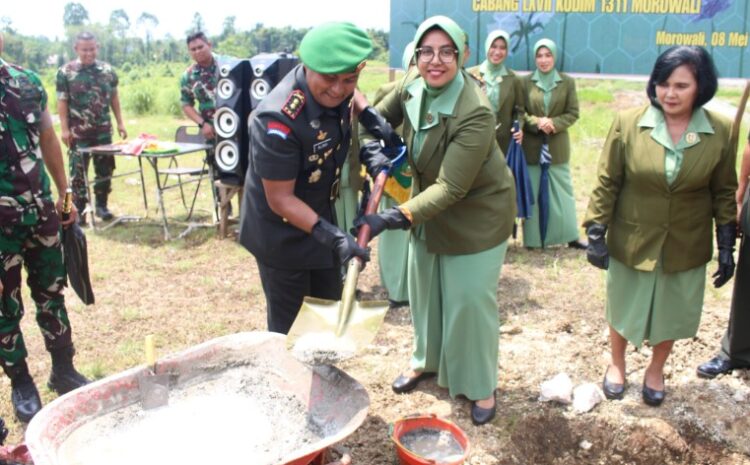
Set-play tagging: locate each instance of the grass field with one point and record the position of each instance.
(190, 290)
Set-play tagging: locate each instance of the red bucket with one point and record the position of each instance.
(405, 425)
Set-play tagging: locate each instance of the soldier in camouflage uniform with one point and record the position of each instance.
(198, 82)
(86, 89)
(30, 236)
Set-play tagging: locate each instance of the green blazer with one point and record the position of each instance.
(563, 109)
(510, 107)
(462, 189)
(648, 218)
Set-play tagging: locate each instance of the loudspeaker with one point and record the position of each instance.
(230, 120)
(268, 69)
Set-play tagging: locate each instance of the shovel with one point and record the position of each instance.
(327, 331)
(154, 388)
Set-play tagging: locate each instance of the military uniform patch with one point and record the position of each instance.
(294, 103)
(315, 176)
(278, 129)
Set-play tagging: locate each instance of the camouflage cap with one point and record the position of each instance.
(334, 48)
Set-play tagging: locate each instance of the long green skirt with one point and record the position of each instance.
(393, 258)
(453, 301)
(653, 305)
(562, 226)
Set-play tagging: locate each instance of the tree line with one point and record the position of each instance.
(127, 42)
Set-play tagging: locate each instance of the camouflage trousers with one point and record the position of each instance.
(104, 165)
(41, 254)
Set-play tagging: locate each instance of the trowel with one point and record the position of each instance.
(154, 388)
(328, 331)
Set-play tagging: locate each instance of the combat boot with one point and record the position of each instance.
(101, 207)
(64, 377)
(23, 395)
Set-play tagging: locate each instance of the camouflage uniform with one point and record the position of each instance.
(89, 91)
(29, 225)
(199, 83)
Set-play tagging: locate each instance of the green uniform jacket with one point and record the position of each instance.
(563, 109)
(462, 190)
(647, 217)
(510, 107)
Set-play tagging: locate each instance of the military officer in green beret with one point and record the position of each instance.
(86, 89)
(300, 136)
(666, 175)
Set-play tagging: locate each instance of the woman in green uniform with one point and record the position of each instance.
(666, 171)
(460, 215)
(502, 86)
(551, 108)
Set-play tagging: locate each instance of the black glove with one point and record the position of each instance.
(340, 242)
(371, 155)
(596, 252)
(379, 127)
(388, 219)
(726, 235)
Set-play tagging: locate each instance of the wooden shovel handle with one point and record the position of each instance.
(734, 136)
(363, 236)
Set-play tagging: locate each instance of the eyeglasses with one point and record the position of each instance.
(445, 54)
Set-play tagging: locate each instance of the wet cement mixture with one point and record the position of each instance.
(232, 417)
(323, 348)
(433, 444)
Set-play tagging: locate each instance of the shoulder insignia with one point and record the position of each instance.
(278, 129)
(294, 103)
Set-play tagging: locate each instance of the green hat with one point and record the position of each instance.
(549, 44)
(408, 56)
(334, 48)
(496, 34)
(448, 26)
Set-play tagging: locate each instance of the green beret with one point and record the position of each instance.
(334, 48)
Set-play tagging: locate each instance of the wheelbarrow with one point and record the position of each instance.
(76, 427)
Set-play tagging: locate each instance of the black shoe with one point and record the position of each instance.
(404, 384)
(652, 397)
(578, 245)
(718, 366)
(25, 398)
(103, 212)
(613, 391)
(64, 377)
(398, 303)
(480, 416)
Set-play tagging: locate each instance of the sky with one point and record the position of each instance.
(176, 16)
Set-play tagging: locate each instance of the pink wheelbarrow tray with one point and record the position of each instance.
(332, 397)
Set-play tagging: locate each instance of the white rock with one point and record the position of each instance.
(585, 445)
(740, 396)
(559, 389)
(586, 397)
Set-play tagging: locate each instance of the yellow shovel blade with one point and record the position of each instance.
(313, 336)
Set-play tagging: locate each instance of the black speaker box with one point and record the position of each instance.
(230, 120)
(268, 69)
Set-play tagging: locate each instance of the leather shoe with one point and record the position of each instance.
(578, 245)
(404, 384)
(611, 390)
(480, 416)
(718, 366)
(652, 397)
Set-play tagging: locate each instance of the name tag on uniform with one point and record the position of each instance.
(322, 145)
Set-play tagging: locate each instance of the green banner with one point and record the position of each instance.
(594, 36)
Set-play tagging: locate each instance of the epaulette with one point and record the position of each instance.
(294, 103)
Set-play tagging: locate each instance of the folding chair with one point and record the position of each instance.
(188, 134)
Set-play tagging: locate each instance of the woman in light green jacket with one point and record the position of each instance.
(460, 216)
(666, 174)
(551, 108)
(502, 86)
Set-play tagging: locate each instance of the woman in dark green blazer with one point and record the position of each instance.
(666, 175)
(460, 216)
(502, 86)
(551, 108)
